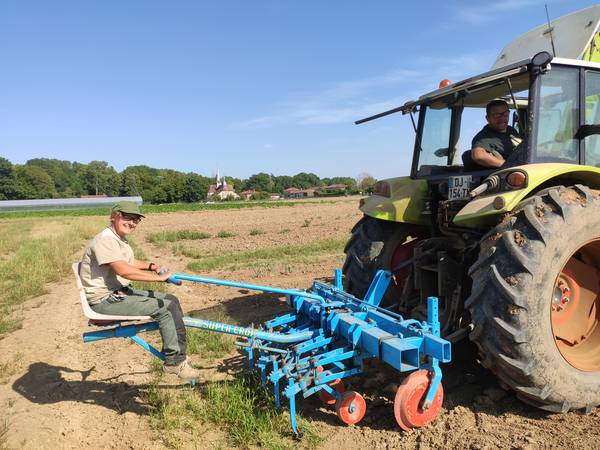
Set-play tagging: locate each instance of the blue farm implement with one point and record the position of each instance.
(325, 339)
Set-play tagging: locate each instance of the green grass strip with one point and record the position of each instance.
(150, 209)
(37, 260)
(248, 410)
(208, 344)
(173, 236)
(285, 254)
(242, 408)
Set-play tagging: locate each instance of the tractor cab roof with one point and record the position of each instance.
(467, 90)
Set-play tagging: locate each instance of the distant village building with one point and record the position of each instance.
(298, 193)
(247, 194)
(221, 190)
(274, 196)
(334, 187)
(289, 192)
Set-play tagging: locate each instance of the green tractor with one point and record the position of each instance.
(512, 254)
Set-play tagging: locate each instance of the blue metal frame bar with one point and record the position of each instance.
(127, 331)
(220, 327)
(254, 287)
(123, 331)
(138, 340)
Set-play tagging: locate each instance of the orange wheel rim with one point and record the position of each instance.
(351, 407)
(575, 308)
(326, 397)
(408, 403)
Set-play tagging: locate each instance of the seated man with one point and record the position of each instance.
(495, 142)
(107, 267)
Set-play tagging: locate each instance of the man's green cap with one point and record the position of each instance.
(128, 207)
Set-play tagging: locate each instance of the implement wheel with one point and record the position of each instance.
(337, 385)
(408, 404)
(351, 407)
(535, 300)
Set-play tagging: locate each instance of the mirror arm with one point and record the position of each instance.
(587, 130)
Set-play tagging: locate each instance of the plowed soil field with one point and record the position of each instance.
(66, 394)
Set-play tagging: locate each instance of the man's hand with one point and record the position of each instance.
(160, 269)
(138, 271)
(165, 276)
(483, 158)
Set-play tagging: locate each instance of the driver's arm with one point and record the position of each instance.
(483, 158)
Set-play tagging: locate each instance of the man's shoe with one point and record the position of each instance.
(184, 371)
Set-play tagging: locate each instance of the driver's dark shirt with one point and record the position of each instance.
(492, 140)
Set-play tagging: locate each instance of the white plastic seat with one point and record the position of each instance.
(90, 313)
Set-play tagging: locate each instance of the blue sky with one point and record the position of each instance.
(242, 86)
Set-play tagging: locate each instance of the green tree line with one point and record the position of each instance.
(52, 178)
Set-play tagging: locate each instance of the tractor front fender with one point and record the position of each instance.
(484, 209)
(397, 200)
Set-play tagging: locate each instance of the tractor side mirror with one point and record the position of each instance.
(587, 130)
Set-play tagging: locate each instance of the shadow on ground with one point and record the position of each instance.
(245, 309)
(45, 384)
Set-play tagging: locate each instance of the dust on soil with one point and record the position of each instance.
(64, 394)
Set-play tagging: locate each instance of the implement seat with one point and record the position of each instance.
(94, 317)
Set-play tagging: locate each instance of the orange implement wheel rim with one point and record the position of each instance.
(351, 407)
(409, 400)
(338, 385)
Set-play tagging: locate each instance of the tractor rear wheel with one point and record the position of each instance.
(535, 300)
(377, 244)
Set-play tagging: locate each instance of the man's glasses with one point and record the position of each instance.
(131, 218)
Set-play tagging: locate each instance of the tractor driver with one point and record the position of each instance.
(107, 268)
(495, 142)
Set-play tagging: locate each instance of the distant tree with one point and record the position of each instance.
(196, 187)
(7, 180)
(260, 196)
(61, 172)
(156, 195)
(33, 182)
(260, 182)
(365, 182)
(236, 183)
(128, 184)
(146, 179)
(98, 177)
(305, 180)
(282, 183)
(173, 183)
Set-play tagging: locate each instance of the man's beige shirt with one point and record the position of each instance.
(98, 279)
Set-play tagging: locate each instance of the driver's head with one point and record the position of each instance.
(497, 115)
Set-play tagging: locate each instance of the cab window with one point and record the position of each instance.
(435, 139)
(592, 117)
(558, 117)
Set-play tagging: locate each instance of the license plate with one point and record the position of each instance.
(459, 187)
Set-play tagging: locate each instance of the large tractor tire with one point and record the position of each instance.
(535, 300)
(378, 244)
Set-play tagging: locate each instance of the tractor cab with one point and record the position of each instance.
(543, 96)
(554, 109)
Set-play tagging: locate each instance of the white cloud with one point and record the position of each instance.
(350, 100)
